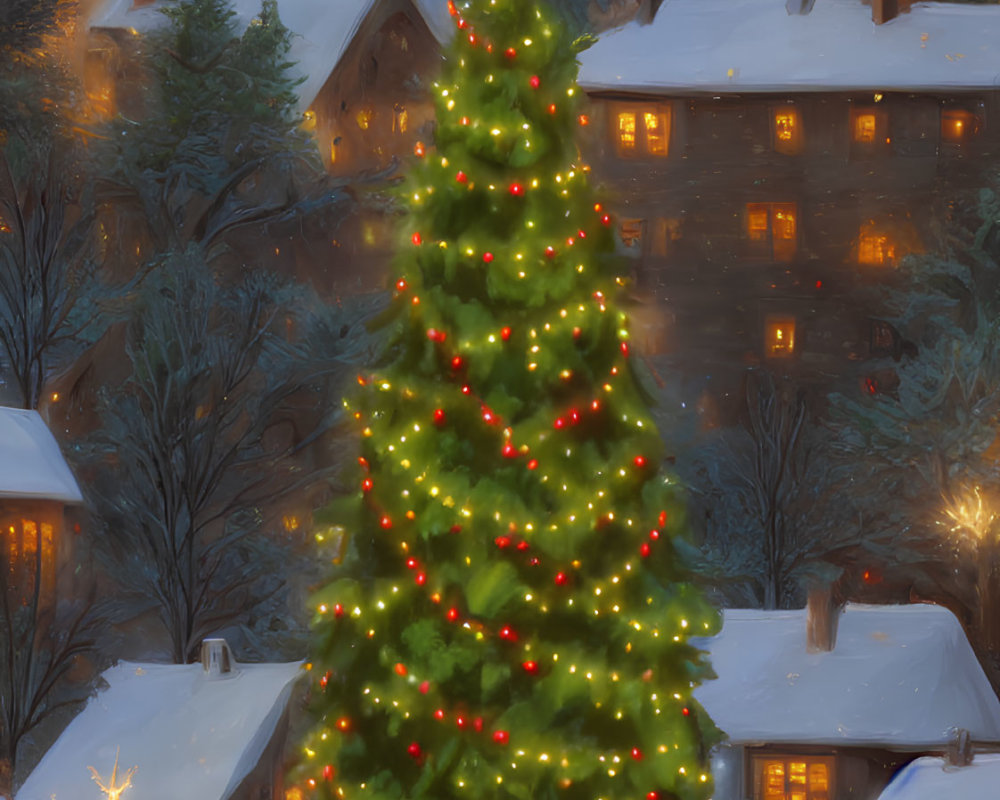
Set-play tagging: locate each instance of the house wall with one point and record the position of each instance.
(267, 780)
(696, 260)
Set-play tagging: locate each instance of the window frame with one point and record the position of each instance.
(881, 140)
(769, 247)
(773, 321)
(977, 125)
(757, 775)
(795, 144)
(641, 111)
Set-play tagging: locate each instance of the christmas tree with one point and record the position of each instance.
(510, 616)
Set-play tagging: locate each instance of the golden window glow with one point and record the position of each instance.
(626, 131)
(309, 120)
(779, 338)
(400, 119)
(864, 128)
(787, 130)
(30, 543)
(772, 230)
(364, 118)
(757, 214)
(793, 778)
(656, 133)
(958, 125)
(631, 232)
(875, 250)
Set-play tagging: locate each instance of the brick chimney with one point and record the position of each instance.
(822, 616)
(884, 10)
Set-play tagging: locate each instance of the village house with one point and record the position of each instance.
(829, 704)
(212, 731)
(36, 486)
(767, 160)
(365, 66)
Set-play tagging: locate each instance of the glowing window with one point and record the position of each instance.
(864, 128)
(958, 125)
(642, 130)
(364, 118)
(779, 337)
(30, 545)
(626, 131)
(787, 130)
(399, 119)
(772, 230)
(656, 133)
(631, 232)
(792, 778)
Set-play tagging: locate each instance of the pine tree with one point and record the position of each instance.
(510, 616)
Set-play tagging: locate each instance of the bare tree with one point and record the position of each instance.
(50, 294)
(211, 428)
(40, 642)
(770, 499)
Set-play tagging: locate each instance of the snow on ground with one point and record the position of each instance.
(755, 45)
(898, 676)
(931, 778)
(190, 736)
(322, 29)
(32, 465)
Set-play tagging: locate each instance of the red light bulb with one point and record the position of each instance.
(385, 522)
(639, 461)
(644, 549)
(401, 285)
(414, 750)
(328, 772)
(461, 177)
(550, 252)
(637, 754)
(439, 416)
(452, 614)
(367, 484)
(505, 333)
(509, 451)
(533, 464)
(501, 737)
(510, 52)
(531, 667)
(488, 257)
(535, 81)
(560, 579)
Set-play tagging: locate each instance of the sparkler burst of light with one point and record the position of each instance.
(112, 790)
(968, 512)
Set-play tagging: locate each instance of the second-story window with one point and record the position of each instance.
(869, 129)
(779, 337)
(642, 130)
(958, 125)
(787, 130)
(772, 230)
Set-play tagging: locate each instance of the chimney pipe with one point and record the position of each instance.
(822, 616)
(884, 10)
(216, 658)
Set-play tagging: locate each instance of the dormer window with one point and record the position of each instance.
(787, 130)
(642, 130)
(958, 125)
(772, 230)
(779, 337)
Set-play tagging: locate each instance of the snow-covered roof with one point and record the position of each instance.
(931, 778)
(322, 29)
(31, 465)
(757, 46)
(188, 735)
(900, 676)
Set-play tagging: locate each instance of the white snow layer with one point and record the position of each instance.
(323, 29)
(188, 735)
(31, 465)
(931, 778)
(757, 46)
(898, 676)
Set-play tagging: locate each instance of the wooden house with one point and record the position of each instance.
(833, 711)
(769, 159)
(36, 485)
(365, 66)
(212, 731)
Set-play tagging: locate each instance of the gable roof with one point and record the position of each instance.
(31, 465)
(188, 736)
(323, 29)
(931, 778)
(734, 46)
(899, 676)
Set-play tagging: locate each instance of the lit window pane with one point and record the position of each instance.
(757, 221)
(818, 779)
(774, 780)
(864, 128)
(784, 223)
(656, 133)
(797, 772)
(626, 130)
(780, 342)
(957, 125)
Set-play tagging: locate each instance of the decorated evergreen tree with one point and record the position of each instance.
(509, 616)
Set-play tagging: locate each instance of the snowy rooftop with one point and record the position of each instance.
(31, 465)
(188, 736)
(902, 676)
(756, 46)
(931, 778)
(322, 29)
